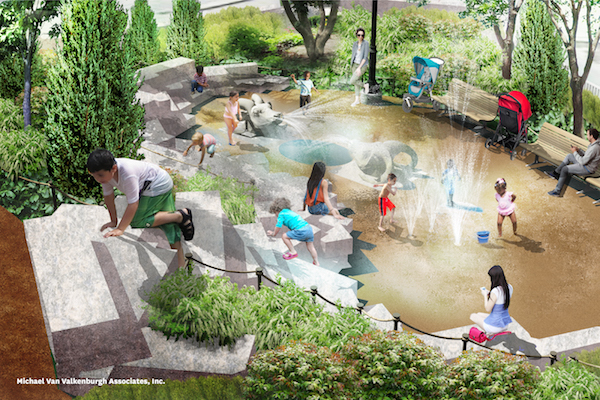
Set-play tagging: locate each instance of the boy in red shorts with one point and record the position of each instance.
(384, 202)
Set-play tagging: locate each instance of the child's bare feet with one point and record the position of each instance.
(381, 228)
(316, 263)
(392, 221)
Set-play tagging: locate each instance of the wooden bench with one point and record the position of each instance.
(553, 145)
(469, 100)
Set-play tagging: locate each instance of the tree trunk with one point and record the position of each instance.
(577, 89)
(30, 39)
(507, 60)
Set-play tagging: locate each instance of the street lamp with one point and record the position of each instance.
(374, 94)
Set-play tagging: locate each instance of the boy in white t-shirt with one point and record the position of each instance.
(150, 201)
(306, 85)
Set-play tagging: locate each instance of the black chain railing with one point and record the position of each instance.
(553, 356)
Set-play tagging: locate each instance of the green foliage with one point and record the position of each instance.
(590, 357)
(269, 25)
(491, 375)
(25, 199)
(299, 371)
(591, 108)
(236, 197)
(92, 95)
(11, 76)
(201, 388)
(395, 365)
(488, 12)
(10, 119)
(196, 306)
(245, 40)
(22, 151)
(565, 382)
(141, 39)
(38, 99)
(540, 56)
(185, 34)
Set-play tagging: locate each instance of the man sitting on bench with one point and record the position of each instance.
(578, 163)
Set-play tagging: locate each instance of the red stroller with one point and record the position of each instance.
(514, 110)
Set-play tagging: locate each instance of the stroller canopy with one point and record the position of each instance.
(514, 109)
(427, 72)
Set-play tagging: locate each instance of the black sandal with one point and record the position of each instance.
(187, 224)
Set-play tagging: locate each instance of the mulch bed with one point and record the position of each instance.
(24, 348)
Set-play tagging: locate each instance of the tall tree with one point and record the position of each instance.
(541, 56)
(141, 39)
(490, 13)
(297, 13)
(566, 16)
(20, 22)
(185, 34)
(92, 99)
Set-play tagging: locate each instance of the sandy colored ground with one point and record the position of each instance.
(433, 283)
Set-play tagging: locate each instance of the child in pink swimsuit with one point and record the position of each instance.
(506, 205)
(232, 115)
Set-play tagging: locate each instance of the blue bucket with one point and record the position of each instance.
(483, 236)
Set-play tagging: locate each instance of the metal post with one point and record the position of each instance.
(259, 274)
(373, 50)
(553, 357)
(360, 307)
(189, 263)
(396, 317)
(54, 200)
(465, 340)
(313, 291)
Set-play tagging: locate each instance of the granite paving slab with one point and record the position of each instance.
(189, 355)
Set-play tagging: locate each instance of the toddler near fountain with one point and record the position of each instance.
(384, 202)
(449, 178)
(506, 205)
(299, 229)
(206, 144)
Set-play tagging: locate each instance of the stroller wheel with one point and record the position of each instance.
(436, 105)
(407, 104)
(512, 155)
(488, 143)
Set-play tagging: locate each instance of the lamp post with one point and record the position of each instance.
(374, 94)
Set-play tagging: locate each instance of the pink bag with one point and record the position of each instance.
(477, 336)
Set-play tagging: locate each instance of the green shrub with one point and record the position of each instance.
(11, 76)
(141, 39)
(185, 33)
(565, 382)
(246, 40)
(92, 95)
(491, 375)
(202, 388)
(590, 357)
(195, 306)
(395, 365)
(591, 108)
(236, 198)
(25, 199)
(299, 371)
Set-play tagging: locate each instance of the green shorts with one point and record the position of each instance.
(147, 209)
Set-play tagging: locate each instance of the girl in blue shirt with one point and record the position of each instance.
(299, 229)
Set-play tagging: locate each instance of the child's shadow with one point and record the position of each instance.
(528, 244)
(396, 234)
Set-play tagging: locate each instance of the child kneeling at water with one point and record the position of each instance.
(299, 229)
(205, 142)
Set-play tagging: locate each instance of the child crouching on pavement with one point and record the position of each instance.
(299, 229)
(150, 202)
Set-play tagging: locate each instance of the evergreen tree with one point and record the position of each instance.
(541, 55)
(92, 94)
(141, 39)
(185, 34)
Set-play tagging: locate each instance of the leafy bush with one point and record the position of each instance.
(236, 197)
(299, 371)
(270, 25)
(201, 388)
(591, 108)
(395, 365)
(196, 306)
(246, 40)
(11, 76)
(39, 96)
(565, 382)
(185, 33)
(25, 199)
(141, 39)
(491, 375)
(590, 357)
